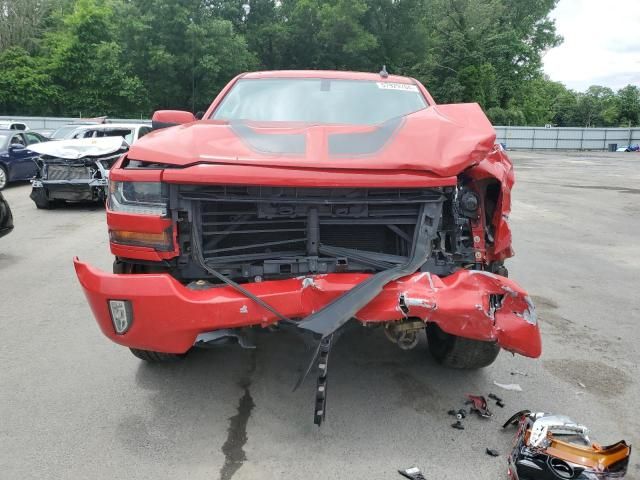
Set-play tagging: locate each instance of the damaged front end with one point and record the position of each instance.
(74, 170)
(554, 447)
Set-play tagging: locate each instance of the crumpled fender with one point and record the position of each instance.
(461, 305)
(496, 165)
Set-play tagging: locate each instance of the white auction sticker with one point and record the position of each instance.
(397, 86)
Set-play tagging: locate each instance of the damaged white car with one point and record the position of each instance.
(74, 170)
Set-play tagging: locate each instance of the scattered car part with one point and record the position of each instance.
(479, 405)
(550, 447)
(499, 401)
(459, 414)
(513, 387)
(74, 170)
(458, 425)
(412, 473)
(6, 217)
(491, 452)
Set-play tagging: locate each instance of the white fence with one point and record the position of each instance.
(566, 138)
(515, 138)
(35, 123)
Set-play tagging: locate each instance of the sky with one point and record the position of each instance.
(601, 44)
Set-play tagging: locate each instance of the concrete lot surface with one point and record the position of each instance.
(74, 405)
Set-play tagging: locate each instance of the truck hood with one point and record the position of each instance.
(442, 139)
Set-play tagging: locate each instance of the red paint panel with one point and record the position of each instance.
(302, 177)
(443, 140)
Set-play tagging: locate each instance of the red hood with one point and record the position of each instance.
(443, 139)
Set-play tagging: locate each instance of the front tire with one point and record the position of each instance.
(4, 178)
(157, 357)
(458, 352)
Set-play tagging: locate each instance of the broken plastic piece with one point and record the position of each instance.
(459, 414)
(500, 403)
(493, 396)
(479, 405)
(554, 446)
(492, 452)
(458, 425)
(412, 473)
(514, 387)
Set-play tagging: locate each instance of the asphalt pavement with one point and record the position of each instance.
(75, 406)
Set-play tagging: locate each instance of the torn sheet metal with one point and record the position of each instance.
(554, 447)
(336, 314)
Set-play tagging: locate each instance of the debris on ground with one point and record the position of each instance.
(499, 401)
(459, 414)
(412, 473)
(514, 387)
(518, 372)
(458, 425)
(582, 385)
(554, 446)
(492, 452)
(479, 405)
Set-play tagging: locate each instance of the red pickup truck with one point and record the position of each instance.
(309, 199)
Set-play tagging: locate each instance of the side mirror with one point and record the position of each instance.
(170, 118)
(14, 147)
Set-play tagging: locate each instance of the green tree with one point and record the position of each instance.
(89, 66)
(25, 88)
(629, 105)
(182, 51)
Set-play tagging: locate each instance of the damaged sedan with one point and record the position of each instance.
(308, 199)
(74, 170)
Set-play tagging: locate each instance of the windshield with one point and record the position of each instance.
(63, 132)
(4, 138)
(319, 101)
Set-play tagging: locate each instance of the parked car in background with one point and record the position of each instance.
(45, 132)
(16, 160)
(129, 131)
(77, 170)
(6, 218)
(11, 125)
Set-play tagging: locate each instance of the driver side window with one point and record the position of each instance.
(18, 140)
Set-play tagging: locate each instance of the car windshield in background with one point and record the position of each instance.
(63, 132)
(319, 101)
(3, 138)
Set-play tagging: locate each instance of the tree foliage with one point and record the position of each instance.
(128, 57)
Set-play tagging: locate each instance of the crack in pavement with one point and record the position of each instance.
(234, 454)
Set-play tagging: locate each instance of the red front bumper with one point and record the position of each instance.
(167, 316)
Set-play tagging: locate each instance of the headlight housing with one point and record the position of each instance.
(144, 198)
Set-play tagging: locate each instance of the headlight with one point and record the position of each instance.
(145, 198)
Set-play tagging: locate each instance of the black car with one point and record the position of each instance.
(16, 160)
(6, 218)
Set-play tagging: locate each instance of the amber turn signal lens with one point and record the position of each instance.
(158, 241)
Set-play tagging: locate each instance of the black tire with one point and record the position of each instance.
(157, 357)
(459, 352)
(5, 178)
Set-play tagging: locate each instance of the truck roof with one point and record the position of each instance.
(332, 74)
